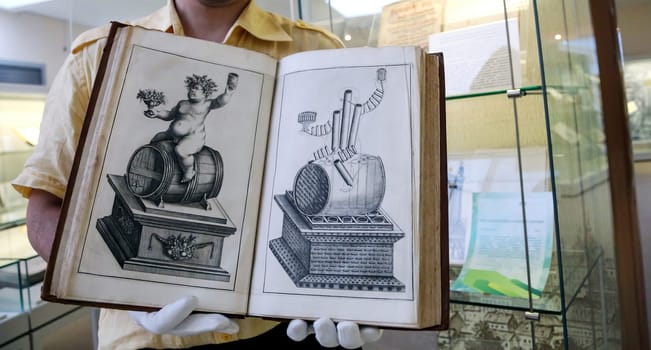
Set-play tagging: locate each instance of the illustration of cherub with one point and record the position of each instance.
(187, 128)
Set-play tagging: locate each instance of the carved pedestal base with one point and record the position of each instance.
(342, 252)
(175, 240)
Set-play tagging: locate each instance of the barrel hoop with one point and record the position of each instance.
(384, 188)
(161, 178)
(168, 170)
(127, 177)
(219, 173)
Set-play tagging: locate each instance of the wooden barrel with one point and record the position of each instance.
(321, 189)
(153, 173)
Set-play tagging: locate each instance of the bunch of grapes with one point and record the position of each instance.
(151, 97)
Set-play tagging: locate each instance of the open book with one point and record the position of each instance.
(307, 187)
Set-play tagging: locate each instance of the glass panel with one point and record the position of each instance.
(33, 271)
(578, 146)
(468, 14)
(535, 169)
(11, 296)
(285, 8)
(482, 143)
(354, 22)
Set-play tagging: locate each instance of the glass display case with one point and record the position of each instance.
(532, 259)
(29, 270)
(13, 296)
(14, 303)
(26, 321)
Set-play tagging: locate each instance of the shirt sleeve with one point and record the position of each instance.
(48, 168)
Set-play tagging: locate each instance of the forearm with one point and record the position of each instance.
(43, 211)
(222, 99)
(164, 115)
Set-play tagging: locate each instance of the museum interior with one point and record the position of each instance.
(544, 103)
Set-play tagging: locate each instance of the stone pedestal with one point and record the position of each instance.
(177, 240)
(337, 252)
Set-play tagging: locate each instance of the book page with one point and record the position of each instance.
(166, 196)
(338, 212)
(480, 58)
(410, 22)
(496, 262)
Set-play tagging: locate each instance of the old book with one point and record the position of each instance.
(307, 187)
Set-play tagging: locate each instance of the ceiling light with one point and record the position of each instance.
(356, 8)
(12, 4)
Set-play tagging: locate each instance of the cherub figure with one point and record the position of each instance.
(187, 128)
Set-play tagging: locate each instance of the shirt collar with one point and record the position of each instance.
(261, 24)
(258, 22)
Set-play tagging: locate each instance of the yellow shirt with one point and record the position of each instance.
(49, 166)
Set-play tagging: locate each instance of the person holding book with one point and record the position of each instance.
(45, 175)
(187, 128)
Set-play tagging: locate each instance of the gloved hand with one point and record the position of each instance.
(347, 334)
(176, 319)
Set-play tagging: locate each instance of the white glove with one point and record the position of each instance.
(176, 319)
(347, 334)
